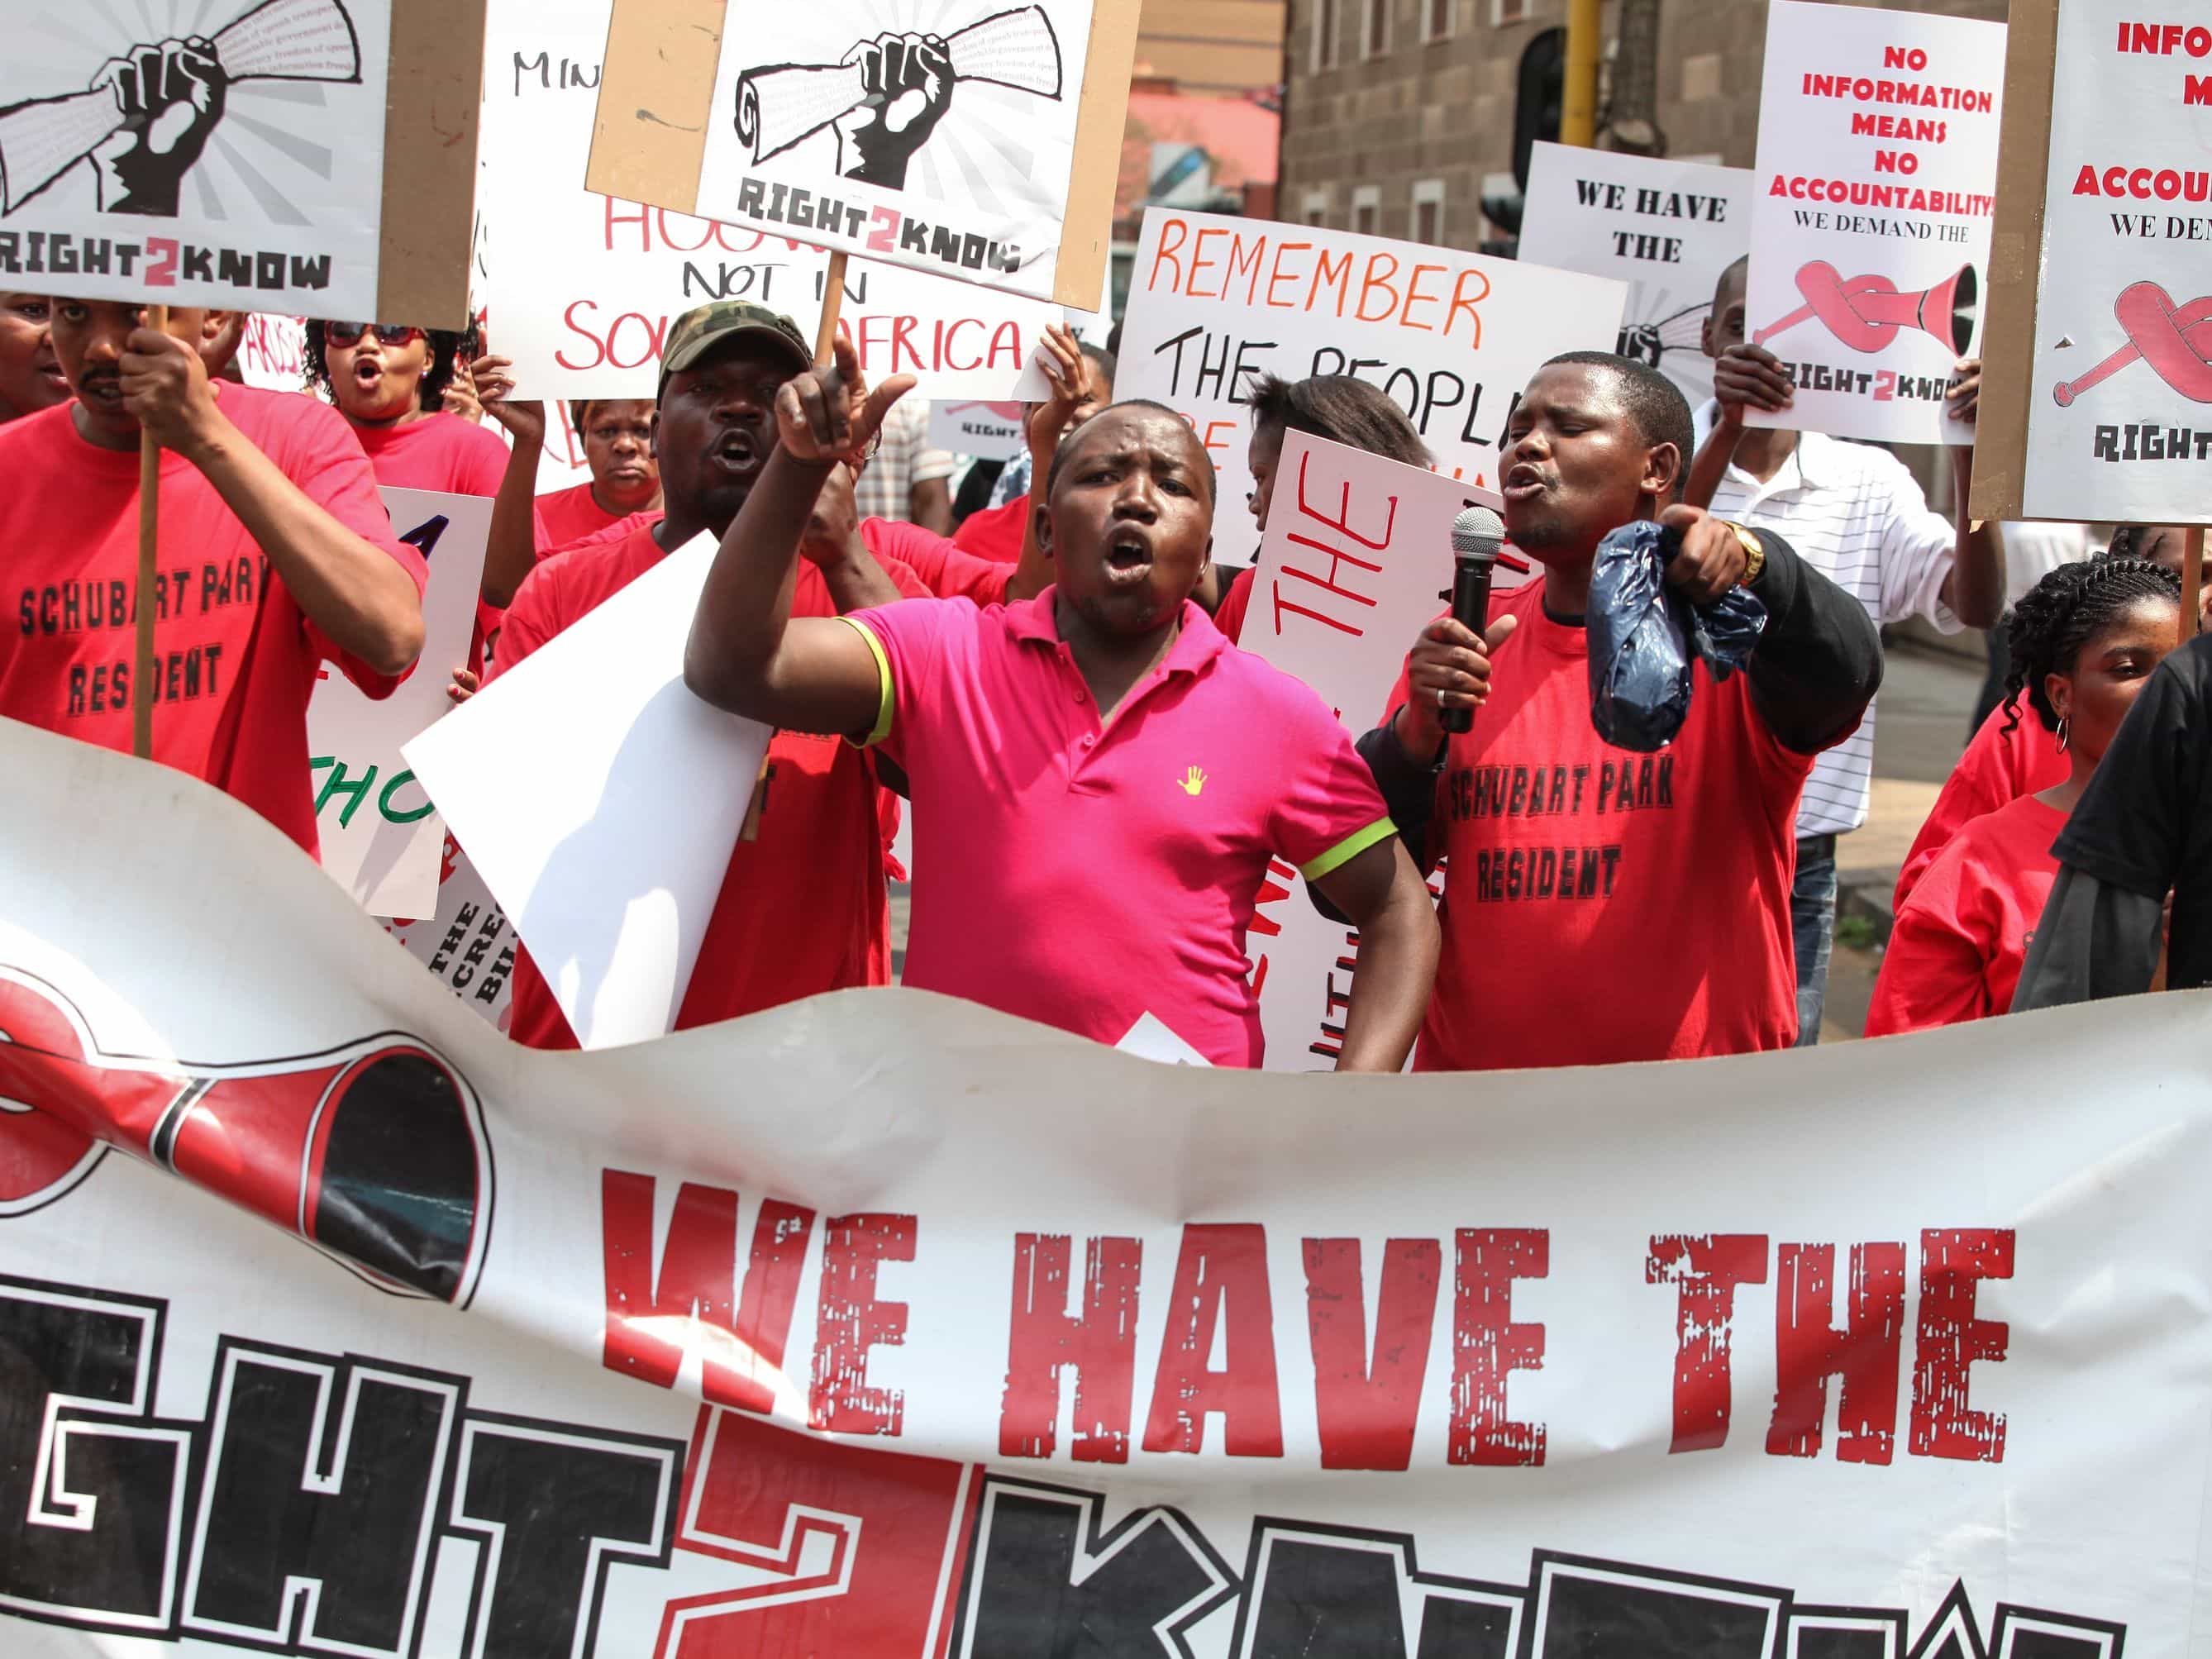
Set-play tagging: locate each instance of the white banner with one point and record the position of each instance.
(1454, 337)
(232, 157)
(1667, 229)
(1357, 561)
(581, 287)
(1896, 1348)
(990, 432)
(380, 834)
(2117, 422)
(1877, 174)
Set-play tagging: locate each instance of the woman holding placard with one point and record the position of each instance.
(2083, 643)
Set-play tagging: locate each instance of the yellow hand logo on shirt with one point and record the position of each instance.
(1191, 781)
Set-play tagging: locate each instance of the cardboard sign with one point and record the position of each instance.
(1870, 235)
(311, 156)
(990, 432)
(1357, 552)
(1668, 229)
(2119, 422)
(1454, 337)
(557, 779)
(975, 139)
(883, 1325)
(380, 834)
(581, 288)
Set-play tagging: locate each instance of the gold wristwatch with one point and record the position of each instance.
(1755, 556)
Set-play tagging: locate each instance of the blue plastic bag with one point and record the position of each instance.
(1644, 635)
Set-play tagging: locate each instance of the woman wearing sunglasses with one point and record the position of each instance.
(389, 380)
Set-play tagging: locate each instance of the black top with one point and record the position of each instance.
(2144, 824)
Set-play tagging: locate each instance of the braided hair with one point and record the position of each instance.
(2063, 613)
(446, 349)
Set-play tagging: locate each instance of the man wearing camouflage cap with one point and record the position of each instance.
(803, 908)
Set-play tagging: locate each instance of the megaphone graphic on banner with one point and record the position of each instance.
(277, 40)
(1866, 312)
(375, 1152)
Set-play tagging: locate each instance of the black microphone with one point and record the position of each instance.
(1478, 535)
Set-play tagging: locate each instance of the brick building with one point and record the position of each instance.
(1400, 113)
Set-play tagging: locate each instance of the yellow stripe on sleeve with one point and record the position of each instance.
(885, 707)
(1348, 849)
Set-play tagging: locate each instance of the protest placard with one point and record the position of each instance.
(290, 155)
(990, 432)
(466, 942)
(1668, 229)
(273, 353)
(380, 834)
(1355, 558)
(975, 139)
(884, 1325)
(582, 287)
(1454, 337)
(2106, 174)
(1877, 174)
(562, 779)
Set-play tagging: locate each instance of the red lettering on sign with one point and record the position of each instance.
(850, 1320)
(1099, 1344)
(1221, 1279)
(1708, 1269)
(1487, 1346)
(1367, 1401)
(1809, 1351)
(1952, 1263)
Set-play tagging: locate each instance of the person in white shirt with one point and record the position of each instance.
(907, 481)
(1858, 516)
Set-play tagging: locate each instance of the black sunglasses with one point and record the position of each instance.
(391, 334)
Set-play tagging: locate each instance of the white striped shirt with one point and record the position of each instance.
(1855, 515)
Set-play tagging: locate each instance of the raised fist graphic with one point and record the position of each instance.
(908, 82)
(170, 97)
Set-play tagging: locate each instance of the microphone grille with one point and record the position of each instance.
(1477, 533)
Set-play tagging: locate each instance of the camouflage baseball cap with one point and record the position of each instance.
(698, 331)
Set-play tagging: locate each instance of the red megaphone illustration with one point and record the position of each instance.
(1866, 312)
(375, 1152)
(2176, 341)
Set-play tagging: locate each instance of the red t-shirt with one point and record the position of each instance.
(804, 908)
(995, 533)
(1229, 617)
(439, 451)
(944, 568)
(1605, 906)
(568, 516)
(1957, 948)
(1999, 766)
(236, 659)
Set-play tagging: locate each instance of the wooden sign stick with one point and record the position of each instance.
(2192, 579)
(149, 519)
(833, 304)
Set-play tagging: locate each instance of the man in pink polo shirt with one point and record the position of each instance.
(1099, 778)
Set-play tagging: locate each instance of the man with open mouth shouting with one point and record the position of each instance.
(804, 908)
(1606, 906)
(1099, 778)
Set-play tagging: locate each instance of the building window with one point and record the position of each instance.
(1438, 16)
(1316, 208)
(1375, 28)
(1508, 12)
(1429, 212)
(1366, 206)
(1324, 42)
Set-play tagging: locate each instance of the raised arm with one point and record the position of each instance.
(1075, 398)
(1975, 589)
(513, 547)
(747, 653)
(346, 584)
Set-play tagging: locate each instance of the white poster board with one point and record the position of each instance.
(273, 353)
(226, 154)
(601, 801)
(380, 835)
(581, 287)
(941, 136)
(988, 431)
(1454, 337)
(1356, 553)
(2119, 424)
(1877, 174)
(1667, 229)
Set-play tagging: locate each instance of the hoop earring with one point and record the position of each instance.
(2065, 734)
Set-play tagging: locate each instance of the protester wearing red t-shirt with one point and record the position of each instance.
(1605, 906)
(275, 556)
(805, 906)
(31, 376)
(2083, 643)
(616, 434)
(1337, 407)
(1099, 779)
